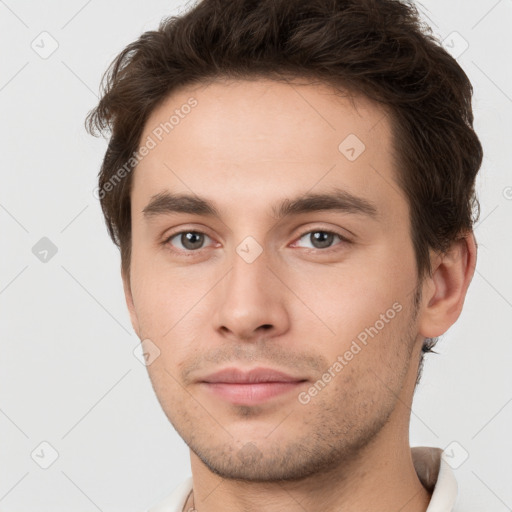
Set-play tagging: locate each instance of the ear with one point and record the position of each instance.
(444, 292)
(129, 301)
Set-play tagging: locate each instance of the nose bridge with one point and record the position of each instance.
(250, 297)
(249, 255)
(249, 268)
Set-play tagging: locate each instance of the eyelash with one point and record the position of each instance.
(190, 252)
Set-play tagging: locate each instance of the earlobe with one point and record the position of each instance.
(129, 302)
(445, 291)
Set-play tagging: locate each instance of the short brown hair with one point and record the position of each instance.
(378, 48)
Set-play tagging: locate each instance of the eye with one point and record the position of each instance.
(321, 239)
(193, 241)
(187, 240)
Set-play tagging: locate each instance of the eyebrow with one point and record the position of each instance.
(166, 203)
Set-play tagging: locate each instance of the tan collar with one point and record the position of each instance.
(436, 476)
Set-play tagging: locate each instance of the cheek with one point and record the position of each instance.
(341, 301)
(163, 294)
(372, 359)
(173, 308)
(361, 313)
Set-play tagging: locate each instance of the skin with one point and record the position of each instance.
(246, 146)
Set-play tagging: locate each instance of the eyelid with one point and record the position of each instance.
(324, 229)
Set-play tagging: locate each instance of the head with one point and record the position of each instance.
(240, 131)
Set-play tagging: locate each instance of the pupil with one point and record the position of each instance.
(191, 240)
(322, 239)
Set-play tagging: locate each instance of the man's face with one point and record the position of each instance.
(249, 288)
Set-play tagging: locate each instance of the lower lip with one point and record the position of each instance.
(250, 394)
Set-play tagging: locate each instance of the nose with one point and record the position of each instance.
(251, 301)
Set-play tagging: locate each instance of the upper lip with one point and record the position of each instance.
(254, 375)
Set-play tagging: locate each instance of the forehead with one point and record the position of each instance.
(265, 137)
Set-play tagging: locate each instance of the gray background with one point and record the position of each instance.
(68, 373)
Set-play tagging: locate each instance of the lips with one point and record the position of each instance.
(250, 387)
(253, 376)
